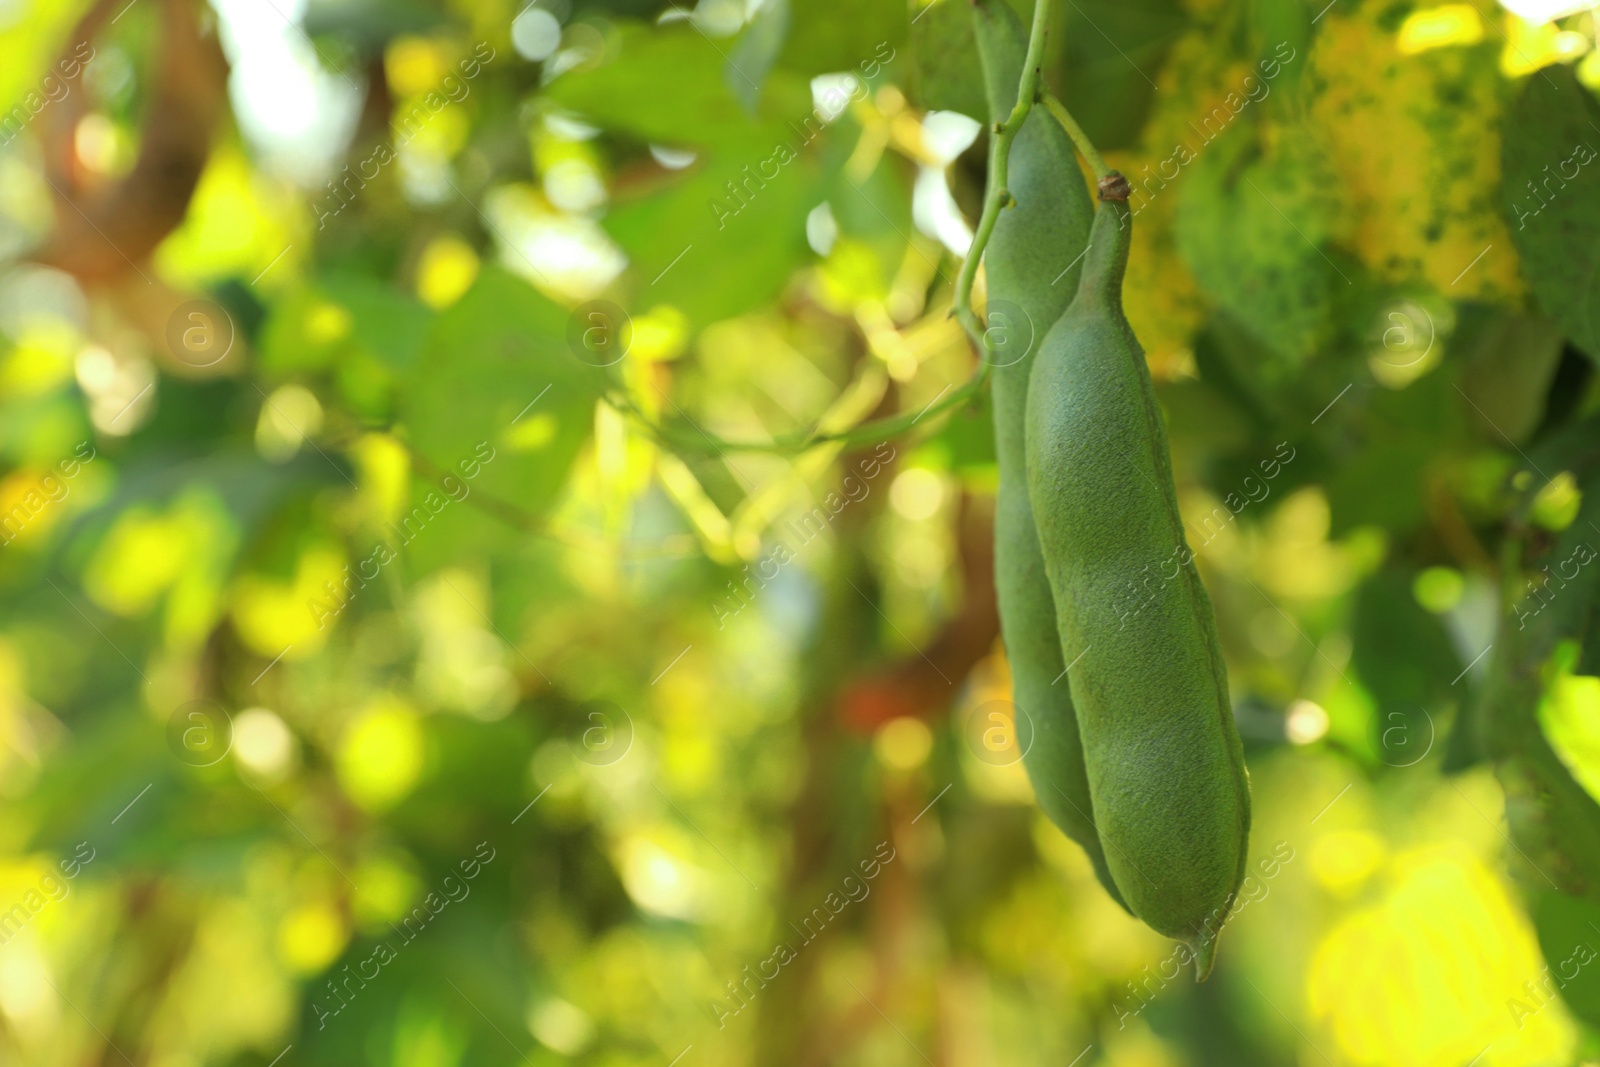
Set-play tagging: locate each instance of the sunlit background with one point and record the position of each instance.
(404, 662)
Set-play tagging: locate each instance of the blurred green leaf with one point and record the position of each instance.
(1383, 484)
(724, 238)
(1253, 229)
(627, 93)
(497, 391)
(343, 317)
(1510, 361)
(875, 214)
(1551, 193)
(1112, 58)
(946, 74)
(1569, 937)
(752, 58)
(1555, 822)
(858, 36)
(965, 442)
(1404, 659)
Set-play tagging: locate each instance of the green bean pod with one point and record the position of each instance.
(1029, 266)
(1166, 769)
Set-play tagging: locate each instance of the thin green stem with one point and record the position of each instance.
(1080, 139)
(694, 439)
(997, 195)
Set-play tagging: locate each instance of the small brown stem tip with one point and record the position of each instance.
(1114, 187)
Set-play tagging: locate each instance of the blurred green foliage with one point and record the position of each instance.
(398, 665)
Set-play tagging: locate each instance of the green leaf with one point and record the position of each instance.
(669, 85)
(946, 74)
(854, 35)
(1404, 432)
(496, 379)
(1552, 199)
(725, 238)
(1113, 56)
(965, 443)
(391, 324)
(1509, 363)
(876, 213)
(1569, 937)
(1555, 824)
(1404, 659)
(366, 332)
(1253, 230)
(326, 320)
(1554, 821)
(756, 51)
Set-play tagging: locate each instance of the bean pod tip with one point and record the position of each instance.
(1114, 187)
(1204, 951)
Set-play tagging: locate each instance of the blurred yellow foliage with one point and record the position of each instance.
(659, 334)
(142, 555)
(381, 753)
(1293, 554)
(30, 503)
(1570, 715)
(287, 418)
(413, 64)
(41, 359)
(441, 136)
(1427, 977)
(1160, 297)
(1556, 505)
(275, 617)
(384, 471)
(446, 271)
(240, 222)
(903, 743)
(659, 881)
(1344, 859)
(1414, 140)
(327, 322)
(1439, 27)
(311, 936)
(1004, 780)
(1137, 1046)
(1532, 45)
(385, 891)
